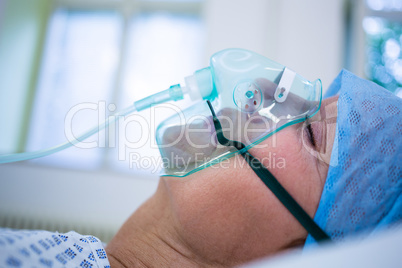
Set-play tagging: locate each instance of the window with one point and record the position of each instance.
(100, 57)
(383, 27)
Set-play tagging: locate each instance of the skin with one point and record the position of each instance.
(224, 216)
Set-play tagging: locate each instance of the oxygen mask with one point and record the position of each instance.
(252, 96)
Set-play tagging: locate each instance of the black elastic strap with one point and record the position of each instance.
(272, 183)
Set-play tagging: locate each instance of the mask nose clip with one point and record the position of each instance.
(284, 85)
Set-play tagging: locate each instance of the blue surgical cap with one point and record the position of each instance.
(362, 193)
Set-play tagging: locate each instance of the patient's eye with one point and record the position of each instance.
(309, 132)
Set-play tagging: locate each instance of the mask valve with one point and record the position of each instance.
(247, 96)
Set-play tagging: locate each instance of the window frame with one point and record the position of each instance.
(126, 9)
(356, 46)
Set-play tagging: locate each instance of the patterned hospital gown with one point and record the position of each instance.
(26, 248)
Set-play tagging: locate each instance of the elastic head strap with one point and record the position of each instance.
(269, 180)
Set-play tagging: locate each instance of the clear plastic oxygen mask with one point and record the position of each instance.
(252, 96)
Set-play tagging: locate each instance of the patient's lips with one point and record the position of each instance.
(186, 144)
(196, 142)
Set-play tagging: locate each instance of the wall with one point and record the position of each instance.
(306, 36)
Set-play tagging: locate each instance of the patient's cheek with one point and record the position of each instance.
(219, 205)
(274, 152)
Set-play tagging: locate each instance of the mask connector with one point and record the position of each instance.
(200, 85)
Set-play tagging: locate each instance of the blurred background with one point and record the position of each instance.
(55, 54)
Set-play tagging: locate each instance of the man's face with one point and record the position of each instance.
(226, 211)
